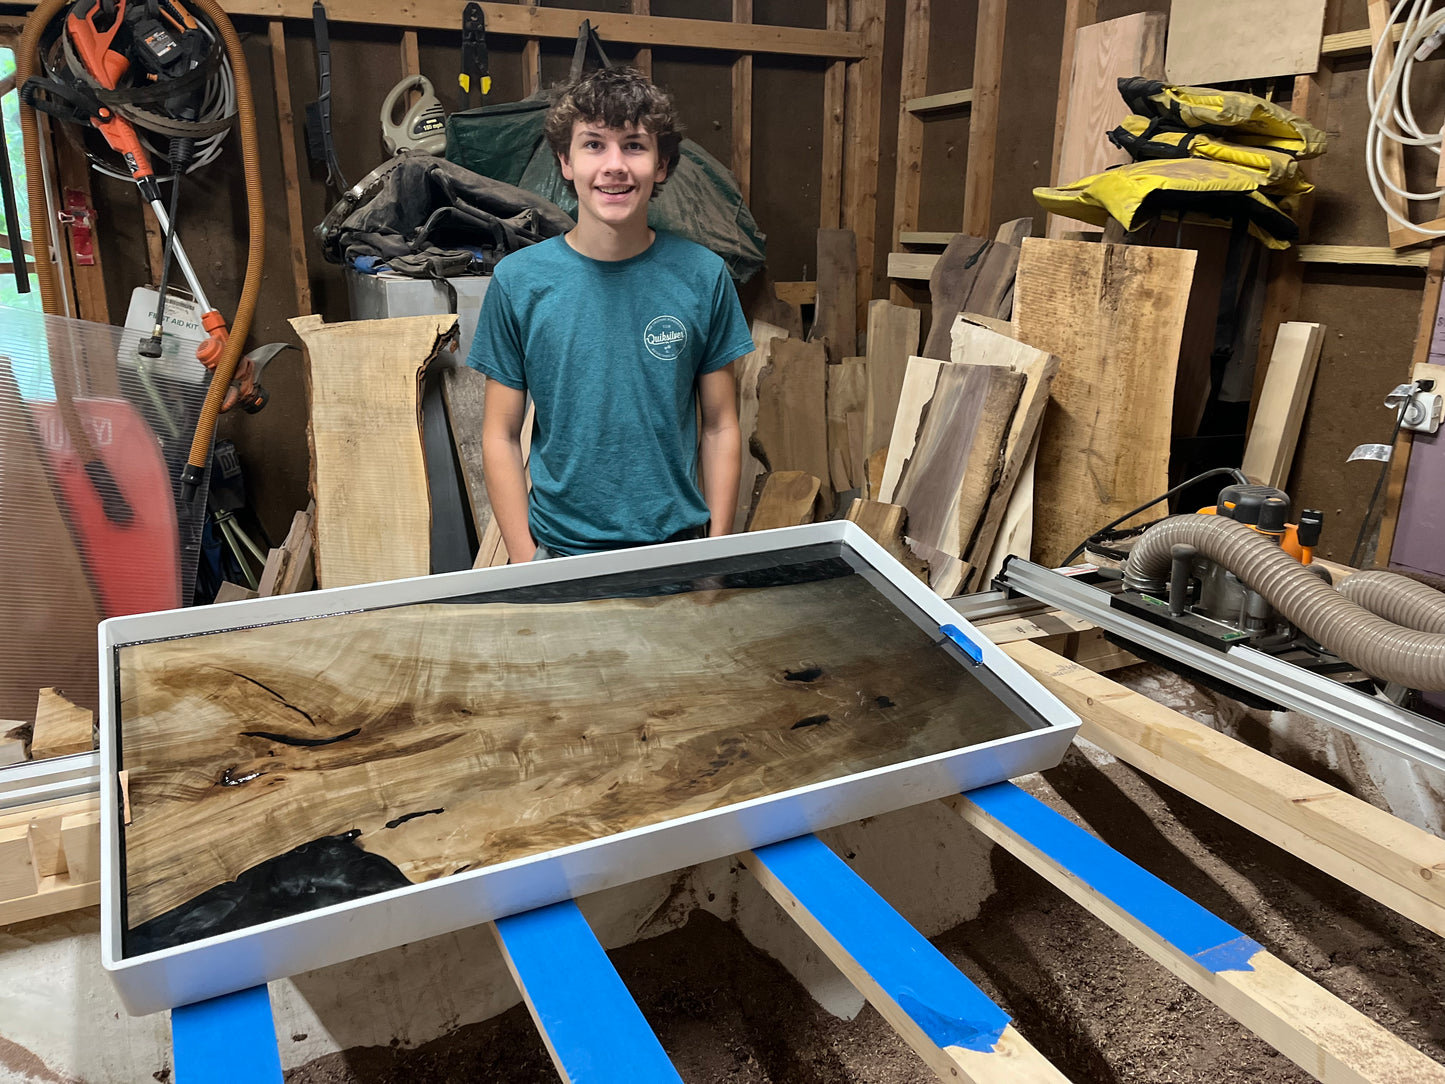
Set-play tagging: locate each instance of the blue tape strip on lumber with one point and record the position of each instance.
(939, 998)
(1194, 931)
(971, 649)
(592, 1024)
(226, 1040)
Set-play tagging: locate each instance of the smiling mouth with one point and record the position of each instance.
(616, 190)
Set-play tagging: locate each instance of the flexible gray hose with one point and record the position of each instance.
(1397, 598)
(1377, 646)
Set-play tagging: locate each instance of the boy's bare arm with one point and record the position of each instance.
(721, 447)
(502, 467)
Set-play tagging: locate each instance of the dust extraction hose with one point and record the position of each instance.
(1376, 645)
(1397, 598)
(225, 370)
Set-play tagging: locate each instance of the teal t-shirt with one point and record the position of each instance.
(610, 352)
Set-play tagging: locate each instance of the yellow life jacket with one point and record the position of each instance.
(1235, 116)
(1201, 188)
(1146, 138)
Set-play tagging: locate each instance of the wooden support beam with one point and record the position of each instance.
(1400, 456)
(743, 107)
(591, 1026)
(908, 178)
(532, 21)
(296, 231)
(80, 839)
(926, 238)
(1387, 859)
(1354, 42)
(1313, 1028)
(531, 66)
(830, 215)
(864, 92)
(935, 103)
(912, 266)
(643, 60)
(1361, 255)
(86, 279)
(947, 1020)
(796, 293)
(1285, 274)
(1077, 13)
(983, 123)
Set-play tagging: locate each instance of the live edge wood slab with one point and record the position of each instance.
(438, 737)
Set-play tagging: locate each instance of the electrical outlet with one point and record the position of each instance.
(1423, 412)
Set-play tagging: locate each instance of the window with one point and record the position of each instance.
(10, 109)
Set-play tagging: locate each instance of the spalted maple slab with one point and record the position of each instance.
(454, 736)
(1114, 317)
(368, 472)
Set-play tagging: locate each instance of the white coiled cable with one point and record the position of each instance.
(1392, 113)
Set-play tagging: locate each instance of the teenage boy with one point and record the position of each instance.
(620, 333)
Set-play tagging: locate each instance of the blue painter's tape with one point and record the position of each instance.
(580, 1003)
(1213, 943)
(226, 1040)
(971, 649)
(939, 998)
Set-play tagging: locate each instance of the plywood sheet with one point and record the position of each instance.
(1114, 317)
(421, 740)
(1103, 53)
(1221, 41)
(368, 473)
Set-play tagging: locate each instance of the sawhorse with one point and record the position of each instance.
(595, 1032)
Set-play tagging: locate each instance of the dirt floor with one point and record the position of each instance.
(1097, 1008)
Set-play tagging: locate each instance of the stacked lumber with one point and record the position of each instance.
(289, 567)
(962, 436)
(49, 859)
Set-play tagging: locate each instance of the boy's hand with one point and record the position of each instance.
(720, 450)
(502, 468)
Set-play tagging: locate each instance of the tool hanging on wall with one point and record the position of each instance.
(320, 147)
(147, 66)
(423, 127)
(475, 80)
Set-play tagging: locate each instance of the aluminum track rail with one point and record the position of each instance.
(1372, 719)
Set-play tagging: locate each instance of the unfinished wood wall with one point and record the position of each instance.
(787, 140)
(1371, 313)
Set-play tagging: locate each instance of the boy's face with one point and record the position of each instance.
(614, 171)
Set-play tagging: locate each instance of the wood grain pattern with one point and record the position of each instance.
(886, 524)
(787, 498)
(847, 395)
(522, 727)
(747, 371)
(18, 878)
(286, 142)
(863, 85)
(913, 83)
(892, 339)
(947, 478)
(1270, 449)
(980, 346)
(742, 101)
(792, 428)
(1077, 13)
(465, 392)
(830, 213)
(972, 275)
(1114, 316)
(1103, 52)
(1220, 41)
(368, 474)
(835, 312)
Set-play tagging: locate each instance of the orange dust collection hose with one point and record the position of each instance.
(26, 54)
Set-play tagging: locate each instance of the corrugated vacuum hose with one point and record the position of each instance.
(1381, 647)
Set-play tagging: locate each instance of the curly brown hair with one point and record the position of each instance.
(615, 98)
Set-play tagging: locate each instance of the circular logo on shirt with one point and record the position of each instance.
(665, 338)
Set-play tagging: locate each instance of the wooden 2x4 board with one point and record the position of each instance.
(420, 756)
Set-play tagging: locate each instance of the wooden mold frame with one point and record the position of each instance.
(233, 961)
